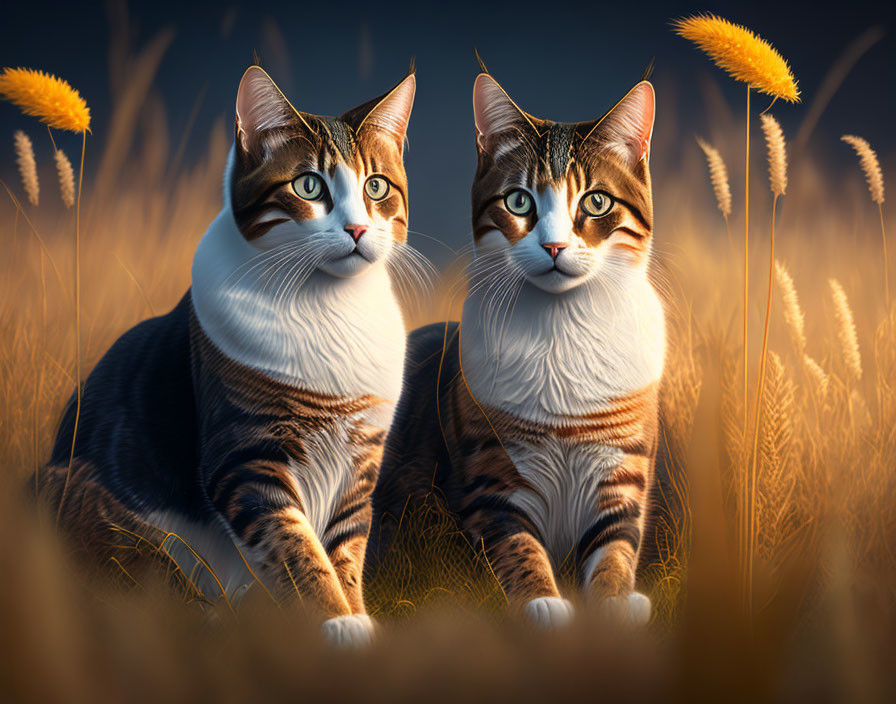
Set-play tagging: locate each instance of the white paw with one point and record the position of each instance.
(633, 609)
(353, 631)
(549, 612)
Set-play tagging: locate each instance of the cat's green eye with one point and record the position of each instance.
(376, 188)
(596, 204)
(308, 186)
(519, 203)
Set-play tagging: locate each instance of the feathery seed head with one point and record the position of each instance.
(818, 376)
(777, 154)
(718, 175)
(66, 178)
(793, 313)
(846, 330)
(742, 54)
(50, 99)
(870, 166)
(27, 166)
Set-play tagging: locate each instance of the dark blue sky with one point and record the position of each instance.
(559, 59)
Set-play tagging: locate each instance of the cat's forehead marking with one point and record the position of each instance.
(558, 148)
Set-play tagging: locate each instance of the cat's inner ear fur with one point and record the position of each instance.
(389, 114)
(498, 119)
(261, 108)
(626, 130)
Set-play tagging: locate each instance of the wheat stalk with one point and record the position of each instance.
(718, 176)
(778, 177)
(27, 166)
(66, 178)
(846, 330)
(775, 483)
(793, 312)
(875, 178)
(748, 58)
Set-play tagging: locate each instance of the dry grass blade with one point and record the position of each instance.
(27, 166)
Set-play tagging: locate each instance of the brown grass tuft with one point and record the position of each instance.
(27, 166)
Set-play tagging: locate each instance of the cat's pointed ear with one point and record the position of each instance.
(260, 107)
(390, 113)
(626, 130)
(497, 117)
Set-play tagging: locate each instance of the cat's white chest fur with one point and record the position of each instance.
(556, 356)
(564, 476)
(333, 336)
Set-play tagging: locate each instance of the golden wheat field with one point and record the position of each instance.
(772, 572)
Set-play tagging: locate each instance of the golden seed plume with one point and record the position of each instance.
(777, 154)
(718, 175)
(846, 330)
(818, 376)
(66, 178)
(27, 166)
(870, 165)
(793, 313)
(53, 101)
(742, 54)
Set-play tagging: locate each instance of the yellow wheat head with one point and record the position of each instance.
(742, 54)
(27, 166)
(870, 165)
(51, 100)
(793, 312)
(66, 178)
(846, 330)
(718, 175)
(777, 154)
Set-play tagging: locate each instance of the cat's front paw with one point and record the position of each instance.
(549, 612)
(352, 631)
(632, 608)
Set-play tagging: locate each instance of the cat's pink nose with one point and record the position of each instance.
(553, 248)
(356, 231)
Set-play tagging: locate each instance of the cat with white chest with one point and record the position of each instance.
(534, 419)
(250, 420)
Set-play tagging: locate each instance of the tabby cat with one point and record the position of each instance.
(250, 420)
(534, 419)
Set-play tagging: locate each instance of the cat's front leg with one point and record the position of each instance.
(521, 565)
(267, 517)
(608, 550)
